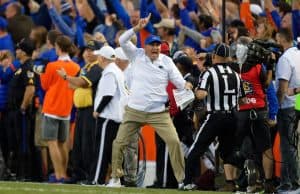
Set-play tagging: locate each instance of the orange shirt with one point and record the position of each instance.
(246, 17)
(59, 96)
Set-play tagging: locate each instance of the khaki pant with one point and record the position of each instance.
(164, 127)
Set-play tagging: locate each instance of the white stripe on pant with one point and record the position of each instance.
(166, 167)
(101, 150)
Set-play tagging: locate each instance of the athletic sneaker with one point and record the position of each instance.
(190, 187)
(181, 186)
(114, 182)
(284, 188)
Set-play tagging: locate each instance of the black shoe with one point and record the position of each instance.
(130, 184)
(71, 180)
(155, 186)
(269, 187)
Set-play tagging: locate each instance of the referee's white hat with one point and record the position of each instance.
(107, 52)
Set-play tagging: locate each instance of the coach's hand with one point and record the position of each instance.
(95, 115)
(188, 85)
(142, 23)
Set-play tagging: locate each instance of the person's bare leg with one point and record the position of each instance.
(268, 163)
(55, 155)
(44, 157)
(64, 150)
(230, 172)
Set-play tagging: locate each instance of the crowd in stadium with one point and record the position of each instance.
(79, 78)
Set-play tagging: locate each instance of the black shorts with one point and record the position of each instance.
(258, 131)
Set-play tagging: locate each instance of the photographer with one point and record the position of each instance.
(252, 115)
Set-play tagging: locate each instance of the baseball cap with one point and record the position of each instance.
(165, 22)
(120, 54)
(3, 23)
(152, 38)
(256, 9)
(93, 45)
(178, 54)
(106, 52)
(222, 50)
(185, 61)
(26, 45)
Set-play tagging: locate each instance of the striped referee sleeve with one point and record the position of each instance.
(203, 81)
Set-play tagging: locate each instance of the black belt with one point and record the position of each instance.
(220, 112)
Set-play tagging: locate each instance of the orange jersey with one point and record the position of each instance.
(59, 96)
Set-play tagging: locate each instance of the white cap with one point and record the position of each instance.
(106, 52)
(120, 54)
(256, 9)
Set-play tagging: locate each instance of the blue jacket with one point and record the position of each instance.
(295, 21)
(44, 58)
(42, 18)
(6, 43)
(5, 77)
(58, 21)
(272, 101)
(186, 21)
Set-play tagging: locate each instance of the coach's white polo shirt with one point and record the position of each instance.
(149, 79)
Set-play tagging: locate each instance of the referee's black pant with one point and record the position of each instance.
(106, 133)
(84, 143)
(221, 125)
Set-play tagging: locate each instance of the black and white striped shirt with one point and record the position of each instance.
(223, 86)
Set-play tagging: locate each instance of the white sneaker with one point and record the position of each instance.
(190, 187)
(114, 182)
(180, 186)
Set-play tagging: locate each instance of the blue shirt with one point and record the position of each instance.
(6, 43)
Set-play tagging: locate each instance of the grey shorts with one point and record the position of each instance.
(38, 141)
(55, 129)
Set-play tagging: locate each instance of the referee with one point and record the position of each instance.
(221, 86)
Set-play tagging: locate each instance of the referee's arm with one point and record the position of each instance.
(201, 90)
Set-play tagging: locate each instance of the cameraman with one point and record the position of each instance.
(252, 115)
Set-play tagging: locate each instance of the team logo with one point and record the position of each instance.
(248, 88)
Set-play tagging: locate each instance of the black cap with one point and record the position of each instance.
(178, 54)
(222, 50)
(26, 45)
(94, 45)
(185, 61)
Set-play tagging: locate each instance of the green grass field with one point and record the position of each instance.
(33, 188)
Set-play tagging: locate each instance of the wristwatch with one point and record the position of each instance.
(295, 91)
(65, 76)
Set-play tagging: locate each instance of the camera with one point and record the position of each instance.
(260, 51)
